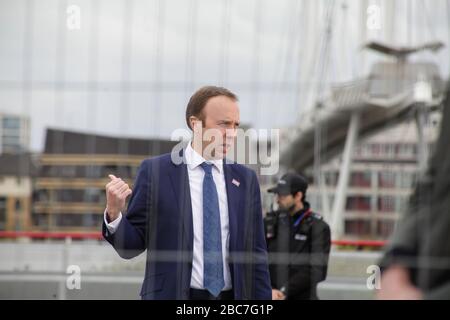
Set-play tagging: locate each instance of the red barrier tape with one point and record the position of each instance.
(50, 235)
(98, 236)
(360, 243)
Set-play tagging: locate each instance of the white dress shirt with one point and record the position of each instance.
(196, 174)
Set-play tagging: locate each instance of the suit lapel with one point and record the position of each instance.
(180, 185)
(234, 186)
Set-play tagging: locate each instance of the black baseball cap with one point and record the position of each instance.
(290, 183)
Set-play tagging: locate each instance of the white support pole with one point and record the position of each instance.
(422, 145)
(326, 211)
(337, 225)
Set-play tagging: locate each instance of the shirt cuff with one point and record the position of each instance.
(113, 225)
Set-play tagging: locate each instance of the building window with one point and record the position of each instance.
(94, 172)
(134, 171)
(11, 123)
(357, 227)
(78, 220)
(68, 171)
(59, 171)
(46, 171)
(406, 150)
(18, 206)
(2, 213)
(124, 171)
(93, 195)
(69, 195)
(68, 220)
(386, 179)
(386, 204)
(366, 150)
(11, 134)
(110, 169)
(40, 220)
(11, 141)
(385, 228)
(389, 150)
(360, 179)
(358, 203)
(41, 196)
(92, 220)
(376, 149)
(407, 179)
(357, 152)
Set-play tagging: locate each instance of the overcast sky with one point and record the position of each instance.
(132, 66)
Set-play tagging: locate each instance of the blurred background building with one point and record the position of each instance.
(69, 189)
(17, 169)
(382, 177)
(14, 133)
(16, 186)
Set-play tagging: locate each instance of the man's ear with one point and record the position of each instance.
(299, 196)
(192, 121)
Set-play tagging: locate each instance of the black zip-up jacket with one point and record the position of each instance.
(299, 248)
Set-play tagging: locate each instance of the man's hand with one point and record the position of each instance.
(395, 285)
(277, 295)
(117, 192)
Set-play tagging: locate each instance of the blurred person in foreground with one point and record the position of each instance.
(298, 241)
(198, 216)
(416, 264)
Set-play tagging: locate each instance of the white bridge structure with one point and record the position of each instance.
(394, 91)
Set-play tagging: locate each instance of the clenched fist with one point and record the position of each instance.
(117, 192)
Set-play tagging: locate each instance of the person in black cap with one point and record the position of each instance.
(298, 242)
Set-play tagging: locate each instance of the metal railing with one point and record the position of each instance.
(98, 236)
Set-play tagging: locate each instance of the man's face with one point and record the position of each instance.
(285, 202)
(221, 120)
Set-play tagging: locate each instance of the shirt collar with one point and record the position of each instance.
(194, 159)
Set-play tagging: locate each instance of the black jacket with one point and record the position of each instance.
(298, 248)
(421, 239)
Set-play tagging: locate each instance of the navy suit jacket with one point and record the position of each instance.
(159, 220)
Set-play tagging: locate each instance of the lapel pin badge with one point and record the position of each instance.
(235, 182)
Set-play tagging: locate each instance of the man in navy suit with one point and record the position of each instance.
(200, 219)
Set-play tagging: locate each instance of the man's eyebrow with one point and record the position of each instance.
(228, 121)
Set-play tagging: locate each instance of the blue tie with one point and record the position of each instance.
(212, 241)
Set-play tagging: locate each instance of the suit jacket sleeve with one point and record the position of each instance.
(129, 240)
(316, 271)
